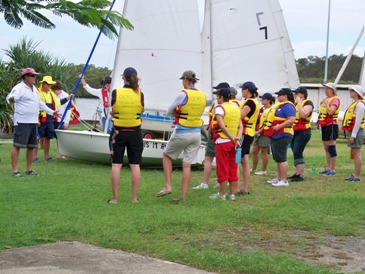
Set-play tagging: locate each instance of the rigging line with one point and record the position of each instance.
(83, 70)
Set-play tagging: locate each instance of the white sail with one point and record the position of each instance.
(250, 42)
(164, 43)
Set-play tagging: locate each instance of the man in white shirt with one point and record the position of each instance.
(26, 110)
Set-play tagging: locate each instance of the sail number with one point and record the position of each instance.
(154, 145)
(264, 28)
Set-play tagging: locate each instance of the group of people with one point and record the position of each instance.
(233, 124)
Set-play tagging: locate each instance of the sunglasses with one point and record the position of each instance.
(30, 75)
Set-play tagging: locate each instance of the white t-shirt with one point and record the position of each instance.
(62, 108)
(27, 104)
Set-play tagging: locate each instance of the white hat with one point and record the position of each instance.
(330, 85)
(358, 89)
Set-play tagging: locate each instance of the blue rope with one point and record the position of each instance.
(83, 71)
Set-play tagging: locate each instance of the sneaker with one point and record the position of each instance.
(329, 173)
(232, 197)
(36, 160)
(271, 181)
(296, 178)
(16, 174)
(280, 183)
(217, 185)
(217, 195)
(260, 172)
(201, 186)
(31, 172)
(352, 179)
(294, 175)
(251, 170)
(323, 171)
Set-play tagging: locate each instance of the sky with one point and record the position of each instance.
(306, 21)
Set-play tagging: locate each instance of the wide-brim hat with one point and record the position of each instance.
(48, 79)
(358, 89)
(189, 74)
(331, 86)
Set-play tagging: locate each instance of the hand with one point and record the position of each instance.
(12, 99)
(276, 128)
(298, 100)
(71, 96)
(352, 140)
(57, 114)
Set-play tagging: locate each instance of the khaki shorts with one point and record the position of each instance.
(210, 148)
(261, 141)
(358, 140)
(186, 143)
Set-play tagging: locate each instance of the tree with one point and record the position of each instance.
(90, 13)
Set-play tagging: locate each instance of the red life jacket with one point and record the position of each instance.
(105, 96)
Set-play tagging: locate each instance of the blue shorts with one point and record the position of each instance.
(46, 130)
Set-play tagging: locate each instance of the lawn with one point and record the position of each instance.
(272, 230)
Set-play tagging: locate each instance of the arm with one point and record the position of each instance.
(179, 100)
(222, 126)
(288, 123)
(304, 111)
(359, 111)
(331, 108)
(245, 110)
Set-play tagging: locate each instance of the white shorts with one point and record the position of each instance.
(188, 143)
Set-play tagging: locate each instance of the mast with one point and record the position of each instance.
(328, 34)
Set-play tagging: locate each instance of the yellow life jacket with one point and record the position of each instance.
(189, 114)
(263, 117)
(127, 108)
(249, 124)
(324, 118)
(237, 102)
(232, 116)
(48, 98)
(302, 123)
(350, 117)
(273, 120)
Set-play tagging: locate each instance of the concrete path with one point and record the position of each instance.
(76, 257)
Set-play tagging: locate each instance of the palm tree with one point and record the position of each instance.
(90, 13)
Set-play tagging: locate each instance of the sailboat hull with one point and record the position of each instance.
(94, 147)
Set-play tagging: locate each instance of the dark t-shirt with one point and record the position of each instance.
(252, 107)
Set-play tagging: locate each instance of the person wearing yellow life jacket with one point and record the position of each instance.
(233, 99)
(279, 126)
(354, 122)
(249, 114)
(261, 142)
(328, 120)
(227, 128)
(127, 106)
(209, 150)
(187, 108)
(302, 131)
(46, 122)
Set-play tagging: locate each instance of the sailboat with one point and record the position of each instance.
(241, 40)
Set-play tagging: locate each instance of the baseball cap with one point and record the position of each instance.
(107, 80)
(233, 91)
(189, 74)
(267, 96)
(28, 71)
(128, 72)
(358, 89)
(48, 79)
(225, 92)
(301, 90)
(222, 85)
(248, 85)
(284, 91)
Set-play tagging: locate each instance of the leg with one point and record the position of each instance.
(14, 158)
(186, 174)
(115, 180)
(255, 157)
(222, 188)
(207, 169)
(29, 158)
(331, 151)
(245, 173)
(283, 171)
(46, 145)
(357, 161)
(264, 157)
(167, 170)
(327, 155)
(136, 179)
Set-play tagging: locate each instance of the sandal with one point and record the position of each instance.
(242, 193)
(163, 193)
(112, 202)
(16, 174)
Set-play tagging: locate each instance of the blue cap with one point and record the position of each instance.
(284, 91)
(225, 92)
(222, 85)
(248, 85)
(128, 72)
(267, 96)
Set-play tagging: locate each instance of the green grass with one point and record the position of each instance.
(270, 231)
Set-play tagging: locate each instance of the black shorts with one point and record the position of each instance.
(46, 130)
(246, 144)
(280, 149)
(25, 135)
(329, 133)
(120, 139)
